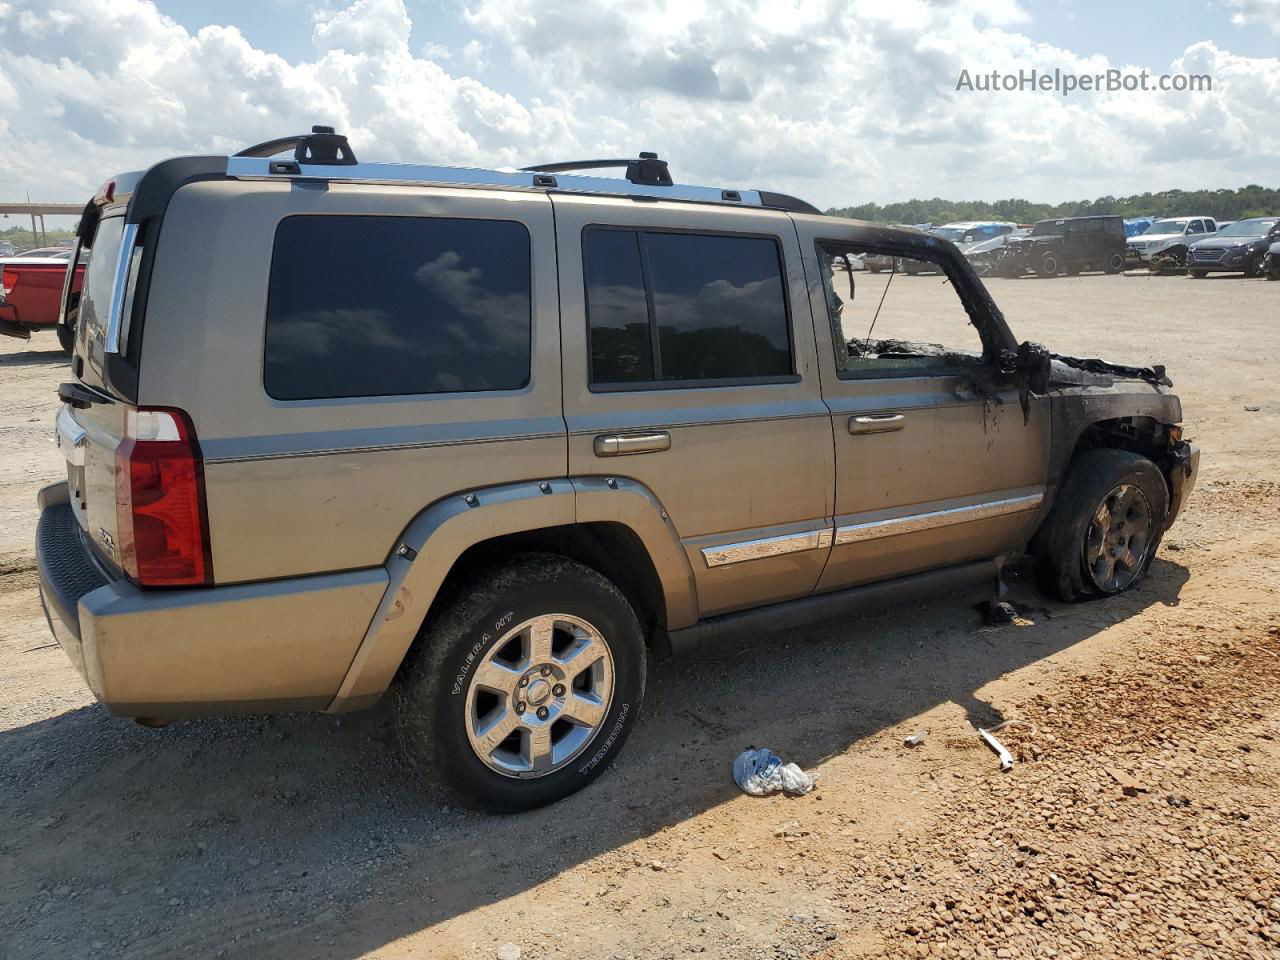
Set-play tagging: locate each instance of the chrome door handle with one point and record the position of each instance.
(877, 423)
(624, 444)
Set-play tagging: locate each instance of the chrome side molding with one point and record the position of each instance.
(767, 547)
(872, 529)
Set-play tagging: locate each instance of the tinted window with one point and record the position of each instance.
(378, 306)
(718, 305)
(621, 347)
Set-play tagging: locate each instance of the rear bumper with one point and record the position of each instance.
(278, 645)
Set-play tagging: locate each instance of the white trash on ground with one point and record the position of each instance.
(762, 772)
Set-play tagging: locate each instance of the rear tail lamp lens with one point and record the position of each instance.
(161, 516)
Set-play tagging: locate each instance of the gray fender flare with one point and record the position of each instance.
(434, 540)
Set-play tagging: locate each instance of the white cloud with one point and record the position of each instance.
(1248, 12)
(115, 86)
(836, 101)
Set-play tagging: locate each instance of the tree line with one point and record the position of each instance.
(1239, 204)
(23, 239)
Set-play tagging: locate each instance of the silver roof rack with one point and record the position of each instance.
(645, 175)
(426, 174)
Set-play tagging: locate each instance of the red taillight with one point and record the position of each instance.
(160, 506)
(8, 280)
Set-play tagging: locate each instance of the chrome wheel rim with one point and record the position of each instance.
(1118, 539)
(539, 696)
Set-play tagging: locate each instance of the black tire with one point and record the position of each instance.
(1253, 267)
(1061, 545)
(1115, 264)
(1050, 265)
(67, 338)
(431, 690)
(67, 331)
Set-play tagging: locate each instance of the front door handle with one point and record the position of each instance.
(624, 444)
(877, 423)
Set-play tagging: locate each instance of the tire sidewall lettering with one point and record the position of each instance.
(618, 724)
(464, 669)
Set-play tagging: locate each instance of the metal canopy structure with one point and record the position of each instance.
(38, 211)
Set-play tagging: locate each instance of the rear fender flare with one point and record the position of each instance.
(434, 540)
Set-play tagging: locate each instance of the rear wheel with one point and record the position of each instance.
(66, 338)
(1103, 531)
(67, 332)
(525, 687)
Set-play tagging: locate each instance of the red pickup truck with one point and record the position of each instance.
(31, 289)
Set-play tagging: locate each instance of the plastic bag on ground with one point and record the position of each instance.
(762, 772)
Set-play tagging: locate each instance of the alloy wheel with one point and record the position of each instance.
(1118, 539)
(539, 696)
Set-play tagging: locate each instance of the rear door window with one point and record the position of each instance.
(366, 306)
(676, 309)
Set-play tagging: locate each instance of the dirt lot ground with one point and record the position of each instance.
(1141, 819)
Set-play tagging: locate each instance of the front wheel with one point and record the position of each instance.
(1115, 263)
(1050, 265)
(1103, 531)
(526, 685)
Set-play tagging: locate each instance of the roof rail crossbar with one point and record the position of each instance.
(648, 169)
(321, 146)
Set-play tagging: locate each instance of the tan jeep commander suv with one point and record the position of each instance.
(482, 437)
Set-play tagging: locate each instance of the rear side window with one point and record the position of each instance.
(364, 306)
(676, 309)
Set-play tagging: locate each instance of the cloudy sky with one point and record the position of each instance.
(839, 102)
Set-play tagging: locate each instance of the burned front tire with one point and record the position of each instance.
(525, 687)
(1103, 531)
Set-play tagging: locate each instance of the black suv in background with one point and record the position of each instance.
(1068, 246)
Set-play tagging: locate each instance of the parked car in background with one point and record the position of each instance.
(1171, 237)
(1271, 264)
(1070, 245)
(985, 255)
(964, 234)
(879, 262)
(31, 288)
(7, 249)
(1238, 248)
